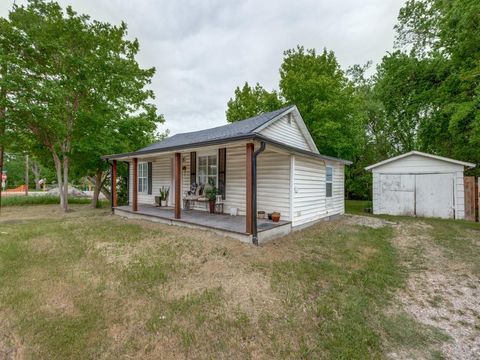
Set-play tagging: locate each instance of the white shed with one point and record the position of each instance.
(419, 184)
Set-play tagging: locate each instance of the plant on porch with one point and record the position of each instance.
(211, 194)
(164, 192)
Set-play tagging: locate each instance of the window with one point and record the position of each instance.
(328, 181)
(143, 177)
(207, 170)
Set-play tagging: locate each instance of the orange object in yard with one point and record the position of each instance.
(20, 188)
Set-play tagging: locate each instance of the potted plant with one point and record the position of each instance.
(164, 192)
(211, 194)
(275, 216)
(261, 214)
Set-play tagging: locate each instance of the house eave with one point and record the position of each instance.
(252, 137)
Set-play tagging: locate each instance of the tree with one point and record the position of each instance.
(445, 35)
(250, 102)
(317, 85)
(79, 85)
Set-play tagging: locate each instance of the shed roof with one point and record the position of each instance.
(431, 156)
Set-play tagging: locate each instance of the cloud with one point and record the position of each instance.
(202, 50)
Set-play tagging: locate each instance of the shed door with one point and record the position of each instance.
(434, 195)
(397, 194)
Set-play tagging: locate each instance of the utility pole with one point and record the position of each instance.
(26, 175)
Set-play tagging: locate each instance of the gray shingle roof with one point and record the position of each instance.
(236, 129)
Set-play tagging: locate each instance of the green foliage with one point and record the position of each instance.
(317, 85)
(14, 165)
(164, 191)
(211, 192)
(76, 91)
(443, 41)
(357, 206)
(19, 200)
(423, 96)
(250, 101)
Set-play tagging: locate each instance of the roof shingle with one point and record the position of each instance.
(239, 128)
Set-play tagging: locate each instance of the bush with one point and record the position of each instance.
(19, 200)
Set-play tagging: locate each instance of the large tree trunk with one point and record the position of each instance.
(35, 167)
(98, 186)
(65, 183)
(58, 170)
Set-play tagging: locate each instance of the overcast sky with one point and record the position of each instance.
(202, 50)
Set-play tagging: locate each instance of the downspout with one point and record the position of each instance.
(254, 192)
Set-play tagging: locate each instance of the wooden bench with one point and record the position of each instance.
(188, 200)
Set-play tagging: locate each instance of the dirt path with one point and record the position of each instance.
(441, 291)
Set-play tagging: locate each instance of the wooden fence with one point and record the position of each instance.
(472, 198)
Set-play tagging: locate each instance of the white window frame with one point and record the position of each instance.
(327, 181)
(203, 155)
(142, 177)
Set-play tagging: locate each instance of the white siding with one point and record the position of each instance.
(417, 164)
(273, 183)
(309, 196)
(286, 133)
(161, 176)
(336, 204)
(235, 179)
(376, 193)
(277, 190)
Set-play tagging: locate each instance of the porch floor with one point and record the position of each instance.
(223, 222)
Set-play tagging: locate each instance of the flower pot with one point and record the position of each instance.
(261, 214)
(211, 204)
(164, 203)
(276, 217)
(270, 216)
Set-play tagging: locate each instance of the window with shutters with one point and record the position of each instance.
(143, 177)
(329, 181)
(207, 170)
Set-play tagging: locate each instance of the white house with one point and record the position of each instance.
(419, 184)
(265, 163)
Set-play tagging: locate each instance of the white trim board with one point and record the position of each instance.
(419, 153)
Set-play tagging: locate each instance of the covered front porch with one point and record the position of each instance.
(231, 167)
(223, 224)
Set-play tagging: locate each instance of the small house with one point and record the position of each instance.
(259, 166)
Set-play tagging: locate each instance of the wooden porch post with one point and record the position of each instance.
(249, 178)
(135, 185)
(114, 183)
(178, 189)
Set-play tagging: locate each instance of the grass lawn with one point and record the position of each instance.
(91, 285)
(357, 206)
(20, 200)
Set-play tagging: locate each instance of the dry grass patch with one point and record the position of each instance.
(98, 286)
(442, 289)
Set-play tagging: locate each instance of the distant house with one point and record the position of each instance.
(419, 184)
(266, 163)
